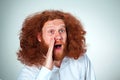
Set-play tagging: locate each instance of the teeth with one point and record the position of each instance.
(58, 46)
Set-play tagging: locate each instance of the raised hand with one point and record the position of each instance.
(49, 57)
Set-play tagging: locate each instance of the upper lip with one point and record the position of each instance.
(57, 44)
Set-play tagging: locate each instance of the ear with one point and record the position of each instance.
(39, 37)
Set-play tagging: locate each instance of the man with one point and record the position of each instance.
(52, 47)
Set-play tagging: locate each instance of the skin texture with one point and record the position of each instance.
(54, 33)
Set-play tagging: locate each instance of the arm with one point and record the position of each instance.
(44, 74)
(90, 74)
(32, 73)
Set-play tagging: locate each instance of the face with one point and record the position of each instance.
(55, 29)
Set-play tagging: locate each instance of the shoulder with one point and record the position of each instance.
(30, 68)
(83, 58)
(83, 61)
(28, 72)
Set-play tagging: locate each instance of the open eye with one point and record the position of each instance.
(51, 31)
(62, 30)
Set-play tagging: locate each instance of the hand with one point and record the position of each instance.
(49, 57)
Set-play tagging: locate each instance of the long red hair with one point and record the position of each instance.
(31, 52)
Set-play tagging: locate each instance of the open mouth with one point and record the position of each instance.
(57, 46)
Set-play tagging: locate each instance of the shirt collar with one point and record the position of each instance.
(64, 63)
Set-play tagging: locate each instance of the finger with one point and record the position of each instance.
(51, 46)
(49, 59)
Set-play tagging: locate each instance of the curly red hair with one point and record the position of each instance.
(31, 51)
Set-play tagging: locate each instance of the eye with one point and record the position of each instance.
(62, 30)
(51, 31)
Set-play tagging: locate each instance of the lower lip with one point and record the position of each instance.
(57, 48)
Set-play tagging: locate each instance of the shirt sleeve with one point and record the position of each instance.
(90, 74)
(44, 74)
(32, 73)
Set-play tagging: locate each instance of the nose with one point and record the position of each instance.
(58, 36)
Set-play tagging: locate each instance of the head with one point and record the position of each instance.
(38, 30)
(54, 29)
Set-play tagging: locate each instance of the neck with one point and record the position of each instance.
(57, 63)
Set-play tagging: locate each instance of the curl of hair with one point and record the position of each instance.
(30, 52)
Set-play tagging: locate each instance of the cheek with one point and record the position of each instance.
(46, 39)
(65, 38)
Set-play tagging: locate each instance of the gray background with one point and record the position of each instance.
(100, 18)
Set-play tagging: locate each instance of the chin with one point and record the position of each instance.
(58, 56)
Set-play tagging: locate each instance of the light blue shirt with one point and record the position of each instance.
(71, 69)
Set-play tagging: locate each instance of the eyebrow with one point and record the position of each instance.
(61, 25)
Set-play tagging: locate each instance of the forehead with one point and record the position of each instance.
(54, 23)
